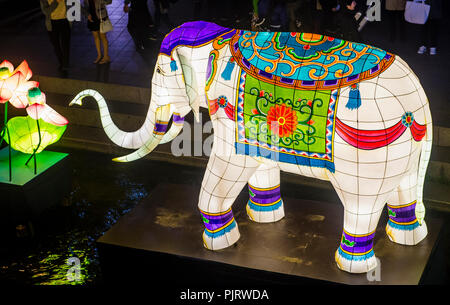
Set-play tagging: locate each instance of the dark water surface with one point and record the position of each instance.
(102, 192)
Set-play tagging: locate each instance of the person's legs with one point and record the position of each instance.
(54, 40)
(65, 42)
(434, 32)
(157, 13)
(400, 17)
(104, 41)
(96, 36)
(392, 22)
(133, 29)
(425, 33)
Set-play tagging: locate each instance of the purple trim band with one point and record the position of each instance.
(357, 244)
(191, 34)
(264, 197)
(214, 222)
(177, 119)
(402, 214)
(160, 128)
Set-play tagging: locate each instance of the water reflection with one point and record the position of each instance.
(102, 192)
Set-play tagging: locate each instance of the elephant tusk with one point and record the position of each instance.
(162, 117)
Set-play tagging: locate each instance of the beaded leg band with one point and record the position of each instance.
(217, 224)
(264, 199)
(356, 247)
(403, 217)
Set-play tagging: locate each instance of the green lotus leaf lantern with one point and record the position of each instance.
(24, 134)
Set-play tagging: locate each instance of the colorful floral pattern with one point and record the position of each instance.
(287, 125)
(282, 120)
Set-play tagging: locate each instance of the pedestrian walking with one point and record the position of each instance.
(327, 24)
(395, 12)
(96, 12)
(346, 21)
(58, 29)
(162, 13)
(139, 22)
(430, 30)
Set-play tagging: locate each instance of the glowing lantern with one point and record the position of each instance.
(308, 104)
(43, 125)
(26, 137)
(14, 84)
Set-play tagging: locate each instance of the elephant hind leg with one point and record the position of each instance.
(265, 204)
(403, 227)
(355, 253)
(363, 203)
(224, 179)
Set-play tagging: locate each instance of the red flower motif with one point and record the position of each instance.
(306, 47)
(282, 120)
(255, 111)
(261, 93)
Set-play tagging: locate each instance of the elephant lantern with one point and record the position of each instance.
(307, 104)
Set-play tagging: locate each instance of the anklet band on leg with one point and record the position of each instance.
(217, 224)
(356, 247)
(403, 217)
(264, 199)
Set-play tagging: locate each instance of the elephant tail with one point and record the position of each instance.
(131, 140)
(423, 164)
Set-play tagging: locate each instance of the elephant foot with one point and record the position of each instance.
(410, 235)
(221, 230)
(403, 227)
(265, 204)
(355, 263)
(355, 253)
(265, 214)
(222, 238)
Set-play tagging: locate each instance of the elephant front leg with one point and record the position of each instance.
(265, 203)
(403, 226)
(224, 179)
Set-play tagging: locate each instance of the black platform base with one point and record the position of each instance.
(27, 195)
(161, 239)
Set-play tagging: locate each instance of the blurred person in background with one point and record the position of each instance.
(346, 21)
(430, 30)
(96, 12)
(139, 22)
(395, 11)
(58, 28)
(327, 24)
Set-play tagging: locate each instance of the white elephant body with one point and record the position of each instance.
(362, 123)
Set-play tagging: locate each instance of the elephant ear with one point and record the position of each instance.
(191, 85)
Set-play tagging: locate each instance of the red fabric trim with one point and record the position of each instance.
(213, 106)
(369, 139)
(229, 110)
(418, 131)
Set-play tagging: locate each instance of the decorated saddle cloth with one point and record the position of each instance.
(288, 91)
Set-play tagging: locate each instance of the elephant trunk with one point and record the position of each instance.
(131, 140)
(161, 118)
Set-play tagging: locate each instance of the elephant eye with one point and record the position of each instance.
(158, 70)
